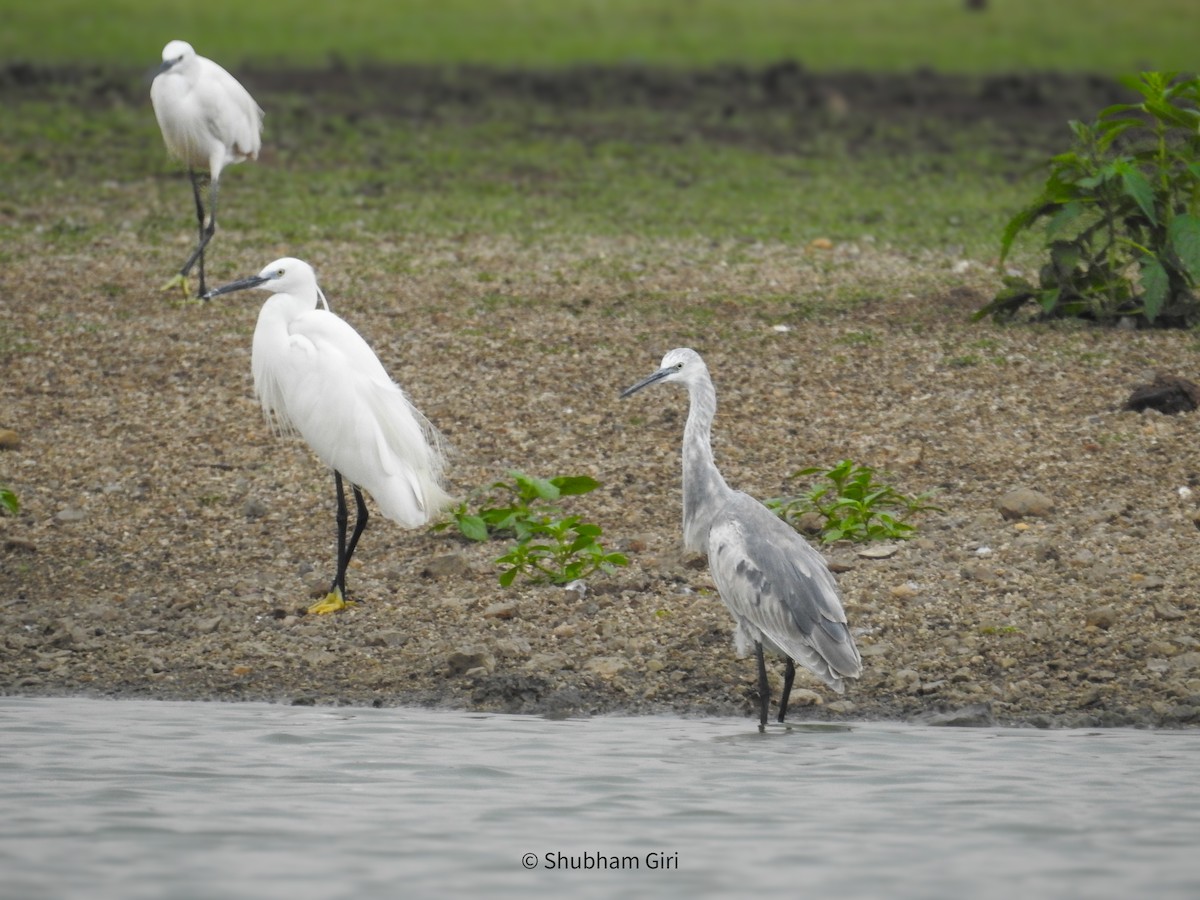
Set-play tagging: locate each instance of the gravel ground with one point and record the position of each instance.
(168, 540)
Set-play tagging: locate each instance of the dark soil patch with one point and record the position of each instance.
(777, 106)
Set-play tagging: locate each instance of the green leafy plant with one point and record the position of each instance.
(549, 547)
(9, 502)
(522, 503)
(1122, 224)
(559, 551)
(852, 505)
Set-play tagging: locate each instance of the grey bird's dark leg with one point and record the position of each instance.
(764, 690)
(789, 675)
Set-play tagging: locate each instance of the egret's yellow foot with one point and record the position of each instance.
(332, 602)
(180, 283)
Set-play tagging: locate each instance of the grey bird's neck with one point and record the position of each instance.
(704, 490)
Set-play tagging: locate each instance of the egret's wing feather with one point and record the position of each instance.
(207, 117)
(773, 580)
(330, 386)
(408, 454)
(230, 114)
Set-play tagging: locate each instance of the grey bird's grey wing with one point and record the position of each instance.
(774, 580)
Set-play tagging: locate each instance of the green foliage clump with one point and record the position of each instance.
(549, 547)
(1122, 223)
(852, 505)
(9, 502)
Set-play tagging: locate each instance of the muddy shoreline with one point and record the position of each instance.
(167, 540)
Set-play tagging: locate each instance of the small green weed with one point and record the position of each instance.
(998, 630)
(558, 551)
(858, 338)
(522, 504)
(853, 505)
(1122, 213)
(549, 546)
(9, 502)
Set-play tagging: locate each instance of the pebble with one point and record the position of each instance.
(1186, 662)
(463, 660)
(1024, 502)
(1168, 612)
(607, 666)
(1102, 617)
(879, 551)
(804, 697)
(448, 565)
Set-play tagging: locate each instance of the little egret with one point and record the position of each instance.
(208, 120)
(314, 374)
(777, 587)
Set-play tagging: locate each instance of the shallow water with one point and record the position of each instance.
(133, 799)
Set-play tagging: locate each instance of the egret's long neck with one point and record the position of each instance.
(704, 489)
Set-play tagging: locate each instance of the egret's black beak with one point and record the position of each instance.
(646, 382)
(154, 71)
(251, 282)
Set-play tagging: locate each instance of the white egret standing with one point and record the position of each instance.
(314, 374)
(208, 120)
(778, 588)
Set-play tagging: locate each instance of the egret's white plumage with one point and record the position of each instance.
(315, 375)
(208, 121)
(778, 588)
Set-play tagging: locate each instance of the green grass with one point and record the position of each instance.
(77, 158)
(1095, 35)
(326, 181)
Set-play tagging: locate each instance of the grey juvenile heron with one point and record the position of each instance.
(208, 120)
(314, 374)
(778, 588)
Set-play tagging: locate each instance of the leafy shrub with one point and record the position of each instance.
(522, 503)
(852, 505)
(1120, 212)
(558, 551)
(549, 547)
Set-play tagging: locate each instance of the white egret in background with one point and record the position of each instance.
(208, 121)
(315, 375)
(778, 588)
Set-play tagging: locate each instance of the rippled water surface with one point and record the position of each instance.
(131, 799)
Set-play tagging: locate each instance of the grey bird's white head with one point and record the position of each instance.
(777, 587)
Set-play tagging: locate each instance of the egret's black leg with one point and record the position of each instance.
(199, 203)
(343, 519)
(789, 675)
(360, 523)
(764, 690)
(346, 548)
(206, 230)
(336, 598)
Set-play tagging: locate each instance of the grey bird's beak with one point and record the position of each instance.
(646, 382)
(252, 282)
